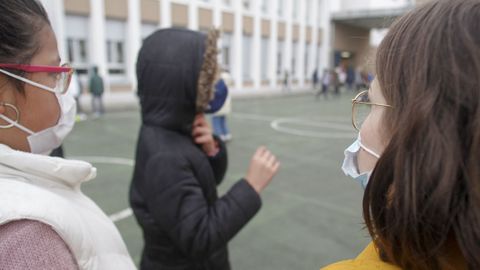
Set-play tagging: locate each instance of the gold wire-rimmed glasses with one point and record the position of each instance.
(361, 107)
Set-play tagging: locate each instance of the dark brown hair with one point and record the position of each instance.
(423, 200)
(20, 22)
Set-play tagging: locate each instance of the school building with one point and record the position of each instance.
(260, 42)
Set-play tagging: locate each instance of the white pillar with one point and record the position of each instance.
(193, 15)
(217, 14)
(238, 45)
(165, 14)
(273, 43)
(314, 42)
(56, 14)
(301, 43)
(97, 40)
(257, 46)
(327, 40)
(287, 57)
(217, 23)
(133, 40)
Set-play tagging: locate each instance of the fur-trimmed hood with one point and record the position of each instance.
(176, 71)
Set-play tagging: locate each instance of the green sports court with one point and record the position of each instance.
(311, 213)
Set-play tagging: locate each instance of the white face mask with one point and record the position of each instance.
(45, 141)
(350, 163)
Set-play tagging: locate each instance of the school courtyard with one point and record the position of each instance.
(311, 213)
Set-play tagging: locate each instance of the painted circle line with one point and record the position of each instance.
(340, 131)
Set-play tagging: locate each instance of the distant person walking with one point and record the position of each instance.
(315, 80)
(96, 90)
(336, 81)
(326, 78)
(286, 81)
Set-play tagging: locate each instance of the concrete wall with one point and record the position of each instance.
(150, 11)
(77, 7)
(179, 15)
(116, 9)
(357, 41)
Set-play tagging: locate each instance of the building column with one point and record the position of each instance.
(327, 36)
(97, 40)
(301, 43)
(133, 40)
(287, 57)
(165, 14)
(273, 43)
(56, 14)
(193, 15)
(217, 23)
(314, 42)
(238, 45)
(257, 46)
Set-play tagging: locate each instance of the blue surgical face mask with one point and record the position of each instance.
(350, 163)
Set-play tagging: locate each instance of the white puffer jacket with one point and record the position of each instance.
(47, 189)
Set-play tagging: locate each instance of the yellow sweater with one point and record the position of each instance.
(370, 260)
(367, 260)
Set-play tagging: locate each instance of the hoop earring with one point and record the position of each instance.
(17, 115)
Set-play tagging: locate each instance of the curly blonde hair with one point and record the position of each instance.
(208, 72)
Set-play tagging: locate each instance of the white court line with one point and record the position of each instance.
(125, 213)
(343, 130)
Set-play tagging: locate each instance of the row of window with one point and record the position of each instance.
(247, 49)
(78, 49)
(281, 7)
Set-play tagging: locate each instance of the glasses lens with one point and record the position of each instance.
(360, 109)
(361, 112)
(64, 81)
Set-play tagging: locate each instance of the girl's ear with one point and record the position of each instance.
(7, 92)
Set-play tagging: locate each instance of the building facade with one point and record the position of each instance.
(260, 41)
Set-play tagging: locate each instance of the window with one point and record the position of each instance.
(246, 4)
(264, 59)
(308, 11)
(280, 7)
(295, 10)
(226, 58)
(264, 6)
(227, 3)
(294, 59)
(247, 58)
(280, 53)
(318, 56)
(77, 53)
(116, 56)
(307, 59)
(115, 52)
(77, 42)
(71, 50)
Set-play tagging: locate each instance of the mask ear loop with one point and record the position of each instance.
(11, 122)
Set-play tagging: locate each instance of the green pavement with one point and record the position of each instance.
(311, 213)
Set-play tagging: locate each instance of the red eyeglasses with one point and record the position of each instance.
(63, 75)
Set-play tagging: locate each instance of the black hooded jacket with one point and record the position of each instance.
(173, 192)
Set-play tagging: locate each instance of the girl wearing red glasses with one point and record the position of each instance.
(45, 220)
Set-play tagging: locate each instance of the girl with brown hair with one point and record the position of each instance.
(419, 148)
